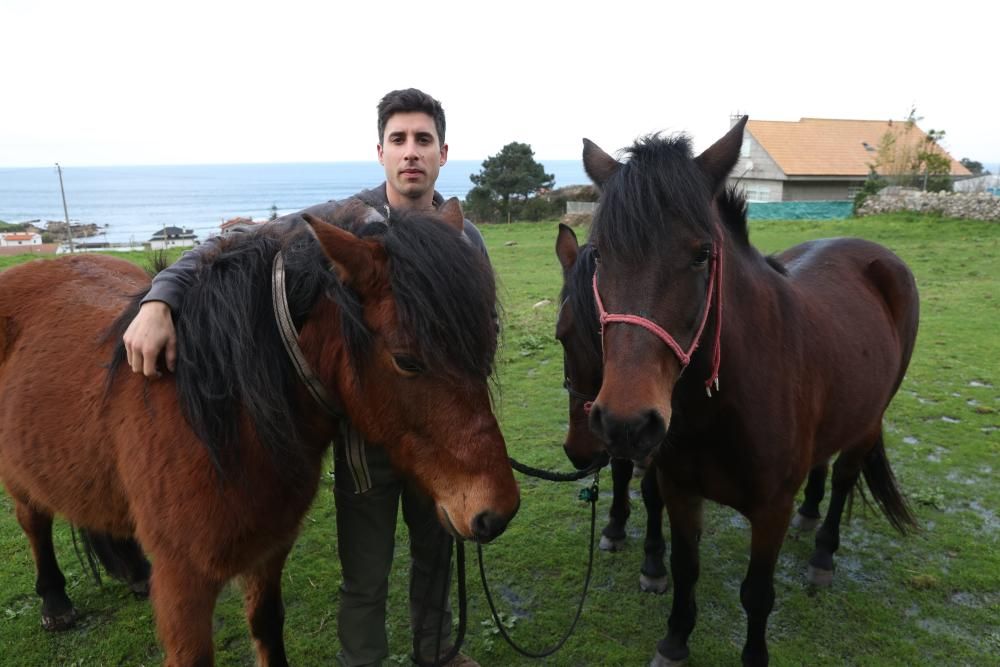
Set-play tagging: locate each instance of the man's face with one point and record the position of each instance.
(412, 155)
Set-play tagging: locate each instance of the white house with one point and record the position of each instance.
(19, 238)
(173, 237)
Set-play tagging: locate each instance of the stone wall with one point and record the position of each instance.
(973, 206)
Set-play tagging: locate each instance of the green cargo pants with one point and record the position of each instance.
(367, 493)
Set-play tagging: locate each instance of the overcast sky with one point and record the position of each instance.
(191, 82)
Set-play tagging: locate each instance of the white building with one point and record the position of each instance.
(988, 183)
(173, 237)
(19, 238)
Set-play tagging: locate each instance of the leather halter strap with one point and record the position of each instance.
(684, 356)
(290, 337)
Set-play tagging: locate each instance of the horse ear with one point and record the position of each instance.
(349, 255)
(598, 164)
(720, 158)
(451, 214)
(567, 247)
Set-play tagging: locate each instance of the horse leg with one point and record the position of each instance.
(757, 590)
(183, 601)
(50, 584)
(685, 514)
(613, 534)
(846, 470)
(265, 610)
(653, 575)
(807, 518)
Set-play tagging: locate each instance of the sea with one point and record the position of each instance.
(129, 204)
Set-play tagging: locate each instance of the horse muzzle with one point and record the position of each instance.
(630, 437)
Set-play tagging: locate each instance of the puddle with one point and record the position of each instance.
(991, 524)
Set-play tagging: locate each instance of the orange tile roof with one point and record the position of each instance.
(18, 236)
(829, 147)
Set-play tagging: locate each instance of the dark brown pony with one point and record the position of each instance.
(579, 332)
(212, 469)
(809, 348)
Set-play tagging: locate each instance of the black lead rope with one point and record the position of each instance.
(589, 494)
(561, 476)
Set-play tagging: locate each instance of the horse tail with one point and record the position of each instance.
(123, 559)
(885, 491)
(898, 288)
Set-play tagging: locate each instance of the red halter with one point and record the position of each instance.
(714, 289)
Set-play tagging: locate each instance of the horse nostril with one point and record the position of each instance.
(487, 525)
(651, 431)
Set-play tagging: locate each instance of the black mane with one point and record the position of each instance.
(231, 361)
(578, 293)
(658, 181)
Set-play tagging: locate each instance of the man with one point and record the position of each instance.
(412, 149)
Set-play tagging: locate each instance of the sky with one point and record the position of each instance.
(216, 82)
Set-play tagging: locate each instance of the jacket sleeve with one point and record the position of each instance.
(171, 284)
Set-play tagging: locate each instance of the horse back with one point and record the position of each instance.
(858, 310)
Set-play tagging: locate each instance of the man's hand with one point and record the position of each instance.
(149, 334)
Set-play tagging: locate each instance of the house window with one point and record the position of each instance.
(758, 193)
(852, 191)
(745, 148)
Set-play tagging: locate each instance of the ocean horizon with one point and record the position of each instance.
(130, 203)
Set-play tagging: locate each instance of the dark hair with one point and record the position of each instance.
(407, 100)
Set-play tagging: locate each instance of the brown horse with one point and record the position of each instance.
(212, 469)
(579, 331)
(750, 371)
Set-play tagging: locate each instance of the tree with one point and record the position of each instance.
(906, 159)
(974, 166)
(934, 162)
(511, 176)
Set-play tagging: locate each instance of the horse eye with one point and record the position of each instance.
(704, 253)
(407, 365)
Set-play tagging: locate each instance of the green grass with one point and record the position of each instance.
(930, 598)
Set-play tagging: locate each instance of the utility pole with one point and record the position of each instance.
(69, 232)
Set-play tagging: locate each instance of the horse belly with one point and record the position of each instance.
(864, 308)
(182, 508)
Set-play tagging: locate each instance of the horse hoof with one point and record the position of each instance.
(607, 544)
(660, 660)
(59, 622)
(656, 585)
(820, 578)
(804, 524)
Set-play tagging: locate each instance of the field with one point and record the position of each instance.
(932, 597)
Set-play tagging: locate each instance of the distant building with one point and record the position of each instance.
(173, 237)
(235, 222)
(989, 183)
(815, 159)
(20, 238)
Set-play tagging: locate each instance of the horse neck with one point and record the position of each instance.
(323, 346)
(751, 292)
